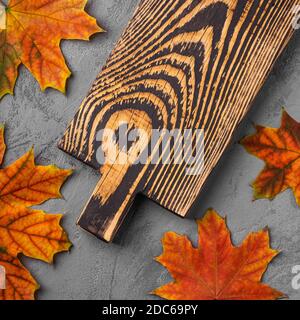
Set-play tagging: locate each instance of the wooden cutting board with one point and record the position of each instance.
(180, 64)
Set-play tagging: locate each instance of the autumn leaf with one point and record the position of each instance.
(23, 230)
(216, 270)
(20, 285)
(280, 149)
(27, 184)
(31, 34)
(32, 232)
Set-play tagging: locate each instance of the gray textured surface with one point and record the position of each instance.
(126, 270)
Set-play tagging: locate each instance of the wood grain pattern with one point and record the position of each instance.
(179, 64)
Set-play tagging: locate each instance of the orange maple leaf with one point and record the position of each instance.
(216, 270)
(280, 149)
(31, 34)
(23, 230)
(20, 285)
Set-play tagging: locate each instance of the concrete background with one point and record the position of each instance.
(126, 270)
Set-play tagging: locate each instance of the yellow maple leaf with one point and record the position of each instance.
(20, 285)
(25, 183)
(23, 230)
(31, 34)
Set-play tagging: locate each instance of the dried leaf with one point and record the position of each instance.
(20, 285)
(27, 184)
(216, 270)
(32, 233)
(32, 36)
(280, 150)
